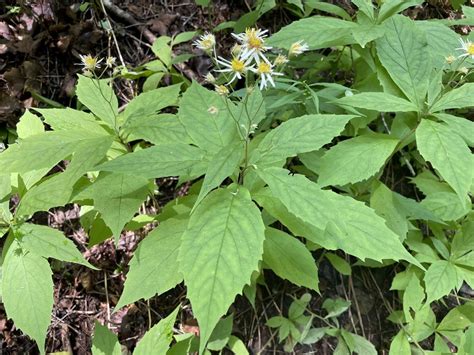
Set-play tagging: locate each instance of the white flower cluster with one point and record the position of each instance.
(248, 54)
(90, 63)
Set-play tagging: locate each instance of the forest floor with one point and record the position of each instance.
(39, 50)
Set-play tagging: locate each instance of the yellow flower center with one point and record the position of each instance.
(90, 62)
(264, 68)
(237, 65)
(252, 39)
(470, 48)
(207, 43)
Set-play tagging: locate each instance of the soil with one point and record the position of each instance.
(40, 44)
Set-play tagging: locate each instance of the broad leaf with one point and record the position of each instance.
(99, 97)
(448, 153)
(400, 345)
(378, 101)
(160, 161)
(29, 125)
(105, 342)
(206, 118)
(220, 249)
(460, 125)
(154, 266)
(27, 292)
(117, 197)
(331, 32)
(355, 159)
(298, 135)
(349, 224)
(413, 297)
(290, 259)
(222, 165)
(404, 53)
(447, 206)
(68, 119)
(456, 98)
(440, 278)
(391, 7)
(157, 340)
(50, 243)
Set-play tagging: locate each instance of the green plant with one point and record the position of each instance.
(307, 154)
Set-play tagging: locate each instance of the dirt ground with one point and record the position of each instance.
(40, 43)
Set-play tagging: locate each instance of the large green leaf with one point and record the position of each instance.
(331, 32)
(447, 206)
(378, 101)
(448, 153)
(117, 197)
(391, 7)
(206, 118)
(98, 96)
(154, 266)
(27, 292)
(68, 119)
(349, 224)
(222, 165)
(50, 243)
(456, 98)
(160, 161)
(355, 159)
(220, 249)
(157, 340)
(460, 125)
(298, 135)
(440, 278)
(290, 259)
(105, 342)
(29, 125)
(404, 53)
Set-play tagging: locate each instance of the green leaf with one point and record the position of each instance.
(29, 125)
(184, 37)
(440, 278)
(158, 339)
(448, 153)
(162, 49)
(339, 264)
(221, 165)
(27, 292)
(237, 346)
(290, 259)
(149, 103)
(457, 318)
(456, 98)
(362, 345)
(68, 119)
(400, 345)
(206, 118)
(413, 297)
(366, 7)
(378, 101)
(404, 53)
(159, 161)
(367, 33)
(220, 249)
(117, 197)
(447, 206)
(355, 159)
(298, 135)
(50, 243)
(250, 111)
(344, 219)
(221, 333)
(326, 7)
(335, 307)
(460, 125)
(391, 7)
(104, 341)
(331, 32)
(98, 96)
(153, 268)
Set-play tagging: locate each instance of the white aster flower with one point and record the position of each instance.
(206, 42)
(236, 66)
(265, 71)
(222, 90)
(89, 63)
(209, 78)
(297, 48)
(467, 47)
(252, 43)
(280, 60)
(110, 62)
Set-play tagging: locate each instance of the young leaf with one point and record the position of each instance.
(221, 165)
(158, 338)
(50, 243)
(153, 268)
(331, 32)
(98, 96)
(27, 292)
(220, 249)
(117, 197)
(206, 118)
(456, 98)
(105, 342)
(404, 53)
(290, 259)
(355, 159)
(379, 101)
(339, 264)
(344, 219)
(440, 278)
(448, 153)
(335, 307)
(298, 135)
(159, 161)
